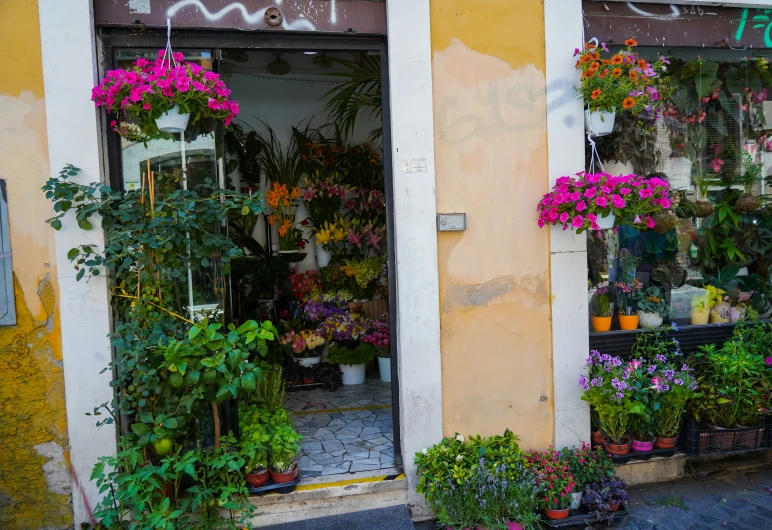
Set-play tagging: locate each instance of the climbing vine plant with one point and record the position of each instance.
(174, 469)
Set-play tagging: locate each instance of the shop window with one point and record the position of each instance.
(7, 302)
(708, 260)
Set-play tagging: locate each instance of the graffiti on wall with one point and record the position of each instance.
(364, 17)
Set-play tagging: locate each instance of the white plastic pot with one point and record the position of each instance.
(576, 500)
(649, 320)
(599, 123)
(615, 167)
(323, 256)
(172, 121)
(353, 375)
(384, 365)
(606, 222)
(309, 361)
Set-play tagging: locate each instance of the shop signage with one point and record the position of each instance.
(329, 16)
(679, 25)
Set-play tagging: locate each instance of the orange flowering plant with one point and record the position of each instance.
(619, 81)
(284, 201)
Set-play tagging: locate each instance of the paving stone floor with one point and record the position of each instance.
(345, 431)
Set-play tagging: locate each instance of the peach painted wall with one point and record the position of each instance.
(491, 158)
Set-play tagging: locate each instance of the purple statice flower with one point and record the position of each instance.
(669, 374)
(583, 383)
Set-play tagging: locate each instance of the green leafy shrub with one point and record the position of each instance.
(362, 353)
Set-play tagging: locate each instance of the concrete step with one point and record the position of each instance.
(656, 469)
(322, 497)
(393, 518)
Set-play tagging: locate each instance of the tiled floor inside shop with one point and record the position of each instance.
(346, 430)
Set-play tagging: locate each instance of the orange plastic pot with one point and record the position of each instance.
(597, 438)
(616, 449)
(556, 514)
(257, 479)
(628, 322)
(601, 324)
(282, 478)
(665, 443)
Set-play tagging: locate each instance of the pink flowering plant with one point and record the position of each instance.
(324, 196)
(378, 335)
(137, 96)
(577, 202)
(553, 478)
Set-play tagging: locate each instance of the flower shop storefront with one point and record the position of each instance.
(250, 241)
(674, 203)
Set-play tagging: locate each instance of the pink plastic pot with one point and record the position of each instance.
(642, 446)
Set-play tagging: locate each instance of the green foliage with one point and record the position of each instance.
(734, 379)
(285, 446)
(363, 353)
(600, 303)
(170, 374)
(141, 494)
(482, 481)
(718, 237)
(360, 93)
(281, 164)
(246, 149)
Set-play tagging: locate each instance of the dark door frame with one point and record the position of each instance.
(112, 38)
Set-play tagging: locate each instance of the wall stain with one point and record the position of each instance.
(461, 296)
(34, 477)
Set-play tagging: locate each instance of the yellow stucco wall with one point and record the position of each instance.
(491, 158)
(34, 478)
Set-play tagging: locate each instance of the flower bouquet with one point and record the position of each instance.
(585, 200)
(146, 91)
(283, 202)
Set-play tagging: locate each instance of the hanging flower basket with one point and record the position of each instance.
(154, 98)
(599, 201)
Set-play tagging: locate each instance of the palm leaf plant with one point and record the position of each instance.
(281, 164)
(359, 93)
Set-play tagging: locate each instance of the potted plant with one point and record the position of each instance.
(597, 200)
(378, 336)
(652, 308)
(285, 446)
(601, 310)
(604, 498)
(622, 82)
(749, 174)
(256, 461)
(557, 486)
(324, 196)
(245, 149)
(703, 181)
(587, 466)
(701, 305)
(152, 99)
(674, 387)
(628, 294)
(352, 361)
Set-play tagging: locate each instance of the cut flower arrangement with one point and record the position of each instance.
(144, 92)
(578, 202)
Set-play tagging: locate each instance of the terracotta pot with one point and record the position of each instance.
(665, 443)
(614, 508)
(616, 449)
(258, 478)
(597, 437)
(601, 324)
(281, 478)
(628, 322)
(639, 445)
(556, 514)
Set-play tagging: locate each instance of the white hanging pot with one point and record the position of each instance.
(606, 222)
(384, 366)
(599, 123)
(172, 121)
(353, 375)
(323, 256)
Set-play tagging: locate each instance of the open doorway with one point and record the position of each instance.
(309, 137)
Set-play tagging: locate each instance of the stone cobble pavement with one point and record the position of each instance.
(741, 501)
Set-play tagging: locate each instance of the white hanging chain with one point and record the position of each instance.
(168, 51)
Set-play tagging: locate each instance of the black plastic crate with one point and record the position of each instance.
(698, 440)
(582, 517)
(690, 338)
